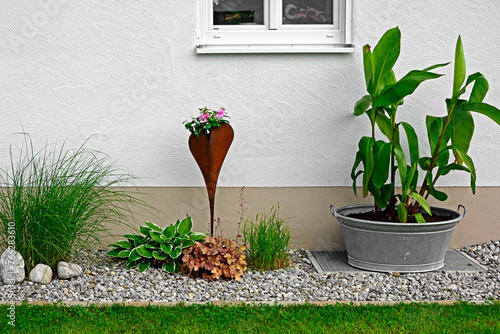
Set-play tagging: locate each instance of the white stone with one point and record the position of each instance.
(41, 274)
(12, 267)
(68, 270)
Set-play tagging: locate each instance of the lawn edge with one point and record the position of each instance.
(247, 303)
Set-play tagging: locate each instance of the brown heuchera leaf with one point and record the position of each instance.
(215, 258)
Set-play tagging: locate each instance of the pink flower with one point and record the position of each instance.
(220, 113)
(204, 117)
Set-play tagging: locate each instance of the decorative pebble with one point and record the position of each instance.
(300, 282)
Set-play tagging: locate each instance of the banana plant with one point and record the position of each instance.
(450, 136)
(157, 246)
(381, 159)
(378, 161)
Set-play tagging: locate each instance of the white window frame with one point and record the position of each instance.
(273, 36)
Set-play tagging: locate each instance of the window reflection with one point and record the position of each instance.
(307, 11)
(234, 12)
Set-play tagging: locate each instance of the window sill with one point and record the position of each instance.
(263, 48)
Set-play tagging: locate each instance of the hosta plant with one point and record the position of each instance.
(215, 258)
(157, 246)
(378, 161)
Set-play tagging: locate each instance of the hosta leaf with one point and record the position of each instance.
(114, 252)
(153, 226)
(142, 251)
(143, 266)
(170, 267)
(145, 230)
(135, 239)
(133, 264)
(166, 248)
(124, 253)
(124, 244)
(159, 256)
(185, 226)
(177, 242)
(195, 236)
(174, 253)
(169, 231)
(134, 255)
(156, 236)
(187, 243)
(151, 246)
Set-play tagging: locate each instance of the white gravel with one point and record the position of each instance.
(106, 279)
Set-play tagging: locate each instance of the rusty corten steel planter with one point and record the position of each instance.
(209, 153)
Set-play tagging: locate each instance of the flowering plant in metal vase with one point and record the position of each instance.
(210, 139)
(207, 120)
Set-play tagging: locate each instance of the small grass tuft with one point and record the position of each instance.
(267, 238)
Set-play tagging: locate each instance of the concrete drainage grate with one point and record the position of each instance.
(336, 262)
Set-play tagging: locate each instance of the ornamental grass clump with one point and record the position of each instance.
(215, 258)
(268, 239)
(59, 201)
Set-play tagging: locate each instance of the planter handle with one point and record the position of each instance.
(333, 211)
(463, 207)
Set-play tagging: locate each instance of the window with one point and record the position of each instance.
(274, 26)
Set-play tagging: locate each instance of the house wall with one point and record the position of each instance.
(125, 74)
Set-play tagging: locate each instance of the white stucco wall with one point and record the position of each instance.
(127, 73)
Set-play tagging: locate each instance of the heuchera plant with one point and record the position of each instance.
(215, 258)
(449, 136)
(206, 121)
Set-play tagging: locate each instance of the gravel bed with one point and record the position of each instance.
(106, 279)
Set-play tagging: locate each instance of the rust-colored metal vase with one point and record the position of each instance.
(209, 153)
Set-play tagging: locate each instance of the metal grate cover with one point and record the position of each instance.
(336, 261)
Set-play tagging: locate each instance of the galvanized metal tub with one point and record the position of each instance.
(396, 247)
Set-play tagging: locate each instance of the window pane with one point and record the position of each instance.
(307, 11)
(232, 12)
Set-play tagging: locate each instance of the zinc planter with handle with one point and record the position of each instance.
(396, 247)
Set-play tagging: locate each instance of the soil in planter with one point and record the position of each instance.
(383, 216)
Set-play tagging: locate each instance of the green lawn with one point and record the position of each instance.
(340, 318)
